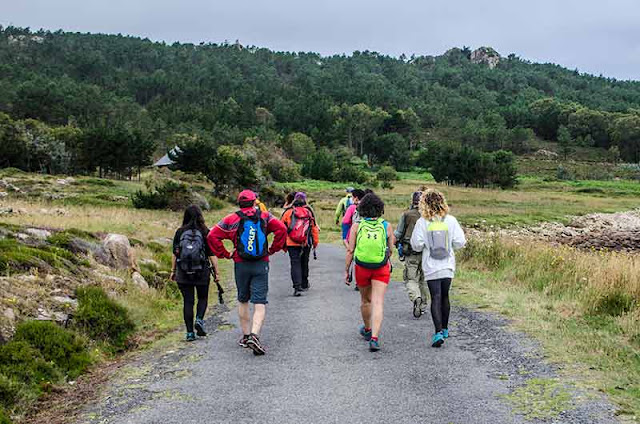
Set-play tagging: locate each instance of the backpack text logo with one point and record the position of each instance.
(252, 239)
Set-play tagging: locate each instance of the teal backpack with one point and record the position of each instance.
(372, 250)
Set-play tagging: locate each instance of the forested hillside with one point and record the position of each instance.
(73, 102)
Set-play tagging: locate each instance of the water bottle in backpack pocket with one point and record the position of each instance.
(299, 230)
(251, 241)
(372, 250)
(438, 239)
(192, 258)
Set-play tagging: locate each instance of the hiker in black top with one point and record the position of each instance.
(191, 270)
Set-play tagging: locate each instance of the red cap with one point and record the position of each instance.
(246, 196)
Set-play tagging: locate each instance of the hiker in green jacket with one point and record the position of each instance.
(343, 205)
(413, 274)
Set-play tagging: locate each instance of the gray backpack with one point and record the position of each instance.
(438, 239)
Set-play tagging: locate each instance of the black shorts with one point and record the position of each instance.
(252, 281)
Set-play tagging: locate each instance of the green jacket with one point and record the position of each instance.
(342, 207)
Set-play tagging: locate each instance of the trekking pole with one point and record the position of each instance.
(220, 289)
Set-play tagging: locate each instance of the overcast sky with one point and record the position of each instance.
(594, 36)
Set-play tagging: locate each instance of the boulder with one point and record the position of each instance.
(9, 314)
(199, 200)
(139, 281)
(65, 300)
(116, 252)
(3, 194)
(38, 233)
(110, 278)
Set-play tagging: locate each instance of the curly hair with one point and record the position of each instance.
(371, 206)
(432, 204)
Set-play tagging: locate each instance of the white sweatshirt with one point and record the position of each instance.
(435, 269)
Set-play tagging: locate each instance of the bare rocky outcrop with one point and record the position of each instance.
(600, 231)
(486, 56)
(546, 154)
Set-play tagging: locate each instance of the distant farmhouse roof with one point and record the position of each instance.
(166, 160)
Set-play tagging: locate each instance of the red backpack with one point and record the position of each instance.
(300, 226)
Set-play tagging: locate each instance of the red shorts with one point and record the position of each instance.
(364, 276)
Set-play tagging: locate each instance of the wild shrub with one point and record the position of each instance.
(351, 174)
(4, 419)
(101, 318)
(11, 392)
(320, 165)
(23, 363)
(614, 303)
(63, 347)
(168, 195)
(216, 204)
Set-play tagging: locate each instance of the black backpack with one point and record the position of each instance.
(192, 257)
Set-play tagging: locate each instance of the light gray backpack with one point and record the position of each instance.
(438, 239)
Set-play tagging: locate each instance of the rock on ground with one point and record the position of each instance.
(139, 281)
(618, 231)
(117, 252)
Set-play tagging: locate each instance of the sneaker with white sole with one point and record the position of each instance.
(253, 343)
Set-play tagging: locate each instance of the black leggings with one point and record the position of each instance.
(299, 266)
(189, 301)
(440, 307)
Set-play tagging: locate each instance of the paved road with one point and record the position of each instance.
(319, 370)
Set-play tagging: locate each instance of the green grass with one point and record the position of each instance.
(541, 399)
(582, 306)
(16, 257)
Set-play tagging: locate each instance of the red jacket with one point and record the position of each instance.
(228, 228)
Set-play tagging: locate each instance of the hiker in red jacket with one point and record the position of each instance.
(303, 235)
(248, 229)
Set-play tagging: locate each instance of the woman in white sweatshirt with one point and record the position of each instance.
(437, 234)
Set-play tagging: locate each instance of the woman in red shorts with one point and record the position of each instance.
(370, 243)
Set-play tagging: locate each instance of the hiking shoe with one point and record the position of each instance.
(365, 334)
(190, 337)
(200, 328)
(445, 333)
(253, 342)
(297, 292)
(243, 341)
(437, 340)
(417, 307)
(305, 288)
(374, 345)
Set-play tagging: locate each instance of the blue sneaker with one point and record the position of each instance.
(200, 327)
(437, 340)
(445, 333)
(365, 334)
(191, 337)
(374, 345)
